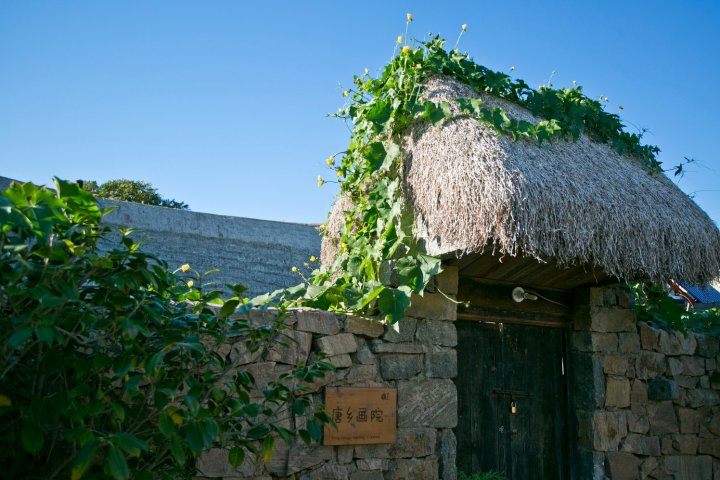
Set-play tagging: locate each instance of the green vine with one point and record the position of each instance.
(377, 241)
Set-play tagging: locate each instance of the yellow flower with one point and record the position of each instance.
(313, 259)
(190, 283)
(464, 27)
(343, 245)
(418, 66)
(406, 49)
(409, 17)
(346, 93)
(176, 418)
(185, 267)
(320, 181)
(330, 160)
(293, 269)
(399, 39)
(340, 173)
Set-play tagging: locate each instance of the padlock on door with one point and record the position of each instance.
(513, 407)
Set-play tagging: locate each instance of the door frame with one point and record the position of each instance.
(568, 422)
(490, 302)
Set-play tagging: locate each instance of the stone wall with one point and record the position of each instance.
(419, 360)
(647, 401)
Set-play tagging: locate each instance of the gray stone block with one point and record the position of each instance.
(400, 367)
(379, 346)
(287, 460)
(367, 475)
(675, 343)
(441, 363)
(406, 331)
(317, 321)
(337, 344)
(642, 444)
(662, 389)
(433, 332)
(689, 467)
(427, 403)
(662, 418)
(434, 306)
(617, 392)
(412, 469)
(363, 326)
(650, 365)
(447, 452)
(629, 342)
(622, 466)
(326, 472)
(707, 346)
(413, 442)
(588, 381)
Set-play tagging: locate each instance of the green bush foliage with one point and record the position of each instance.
(137, 191)
(109, 366)
(655, 306)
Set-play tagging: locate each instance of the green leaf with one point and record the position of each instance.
(177, 451)
(19, 337)
(258, 431)
(236, 456)
(393, 153)
(116, 463)
(32, 437)
(229, 307)
(84, 459)
(375, 155)
(432, 113)
(118, 410)
(44, 333)
(314, 429)
(122, 365)
(166, 425)
(130, 443)
(194, 438)
(154, 361)
(393, 302)
(267, 448)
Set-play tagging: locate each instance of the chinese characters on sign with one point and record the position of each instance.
(362, 416)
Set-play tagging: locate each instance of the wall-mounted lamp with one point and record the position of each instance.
(519, 294)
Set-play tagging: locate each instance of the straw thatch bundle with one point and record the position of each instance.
(578, 203)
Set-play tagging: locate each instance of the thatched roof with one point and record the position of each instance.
(575, 203)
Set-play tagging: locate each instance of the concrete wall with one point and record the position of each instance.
(419, 361)
(647, 401)
(256, 253)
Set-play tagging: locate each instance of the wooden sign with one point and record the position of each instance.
(362, 416)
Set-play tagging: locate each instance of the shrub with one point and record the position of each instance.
(109, 364)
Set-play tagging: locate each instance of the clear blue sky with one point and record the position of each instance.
(222, 104)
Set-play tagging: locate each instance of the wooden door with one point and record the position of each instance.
(501, 365)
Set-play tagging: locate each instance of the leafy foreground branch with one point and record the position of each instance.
(110, 365)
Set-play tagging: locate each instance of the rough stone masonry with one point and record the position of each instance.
(647, 401)
(419, 360)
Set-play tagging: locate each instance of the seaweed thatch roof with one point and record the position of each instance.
(472, 190)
